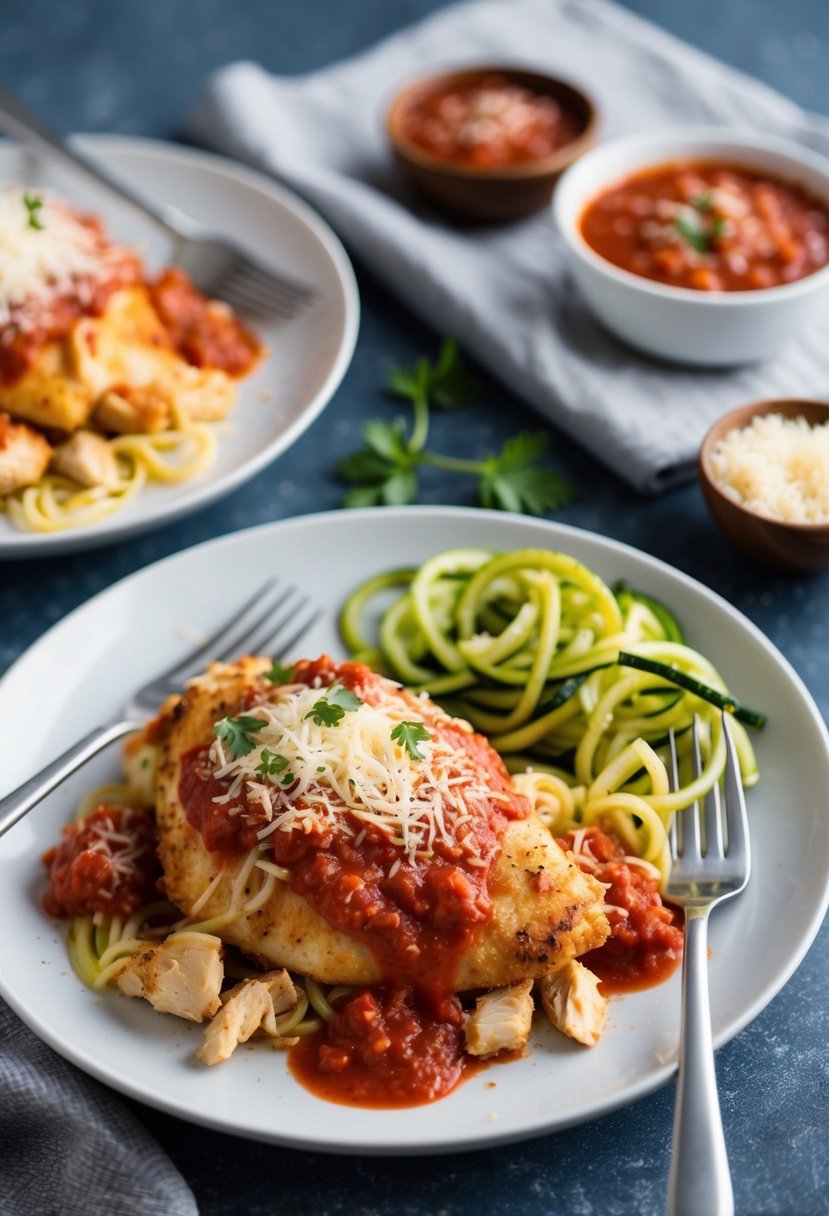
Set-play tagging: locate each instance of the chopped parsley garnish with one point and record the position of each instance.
(333, 706)
(271, 763)
(237, 733)
(34, 206)
(385, 471)
(699, 227)
(279, 674)
(410, 735)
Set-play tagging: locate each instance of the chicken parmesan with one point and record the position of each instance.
(108, 376)
(365, 852)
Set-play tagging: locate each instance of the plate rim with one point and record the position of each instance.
(529, 1128)
(31, 546)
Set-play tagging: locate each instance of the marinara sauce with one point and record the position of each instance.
(106, 862)
(205, 332)
(35, 322)
(400, 1044)
(710, 227)
(489, 123)
(646, 937)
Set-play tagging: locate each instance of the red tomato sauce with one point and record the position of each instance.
(205, 332)
(489, 123)
(106, 863)
(645, 946)
(20, 344)
(710, 227)
(383, 1049)
(418, 920)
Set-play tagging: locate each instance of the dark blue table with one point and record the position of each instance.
(135, 69)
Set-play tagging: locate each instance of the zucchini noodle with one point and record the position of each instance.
(99, 945)
(525, 646)
(55, 503)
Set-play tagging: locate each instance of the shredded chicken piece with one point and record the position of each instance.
(182, 976)
(281, 988)
(130, 411)
(573, 1003)
(501, 1020)
(24, 455)
(246, 1008)
(86, 458)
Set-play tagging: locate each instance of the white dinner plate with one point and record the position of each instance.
(77, 675)
(307, 356)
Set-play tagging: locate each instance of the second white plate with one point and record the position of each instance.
(307, 358)
(77, 676)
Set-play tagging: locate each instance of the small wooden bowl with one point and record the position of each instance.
(489, 195)
(771, 542)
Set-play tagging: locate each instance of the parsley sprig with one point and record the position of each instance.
(271, 764)
(279, 674)
(699, 227)
(237, 733)
(34, 206)
(410, 735)
(332, 707)
(385, 471)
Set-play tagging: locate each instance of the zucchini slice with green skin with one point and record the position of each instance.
(673, 630)
(705, 692)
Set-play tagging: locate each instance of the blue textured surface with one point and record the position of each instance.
(136, 69)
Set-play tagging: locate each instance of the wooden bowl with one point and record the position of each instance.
(488, 195)
(771, 542)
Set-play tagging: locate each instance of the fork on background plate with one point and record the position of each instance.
(217, 265)
(276, 617)
(711, 862)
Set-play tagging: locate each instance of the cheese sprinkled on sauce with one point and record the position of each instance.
(356, 771)
(777, 467)
(46, 250)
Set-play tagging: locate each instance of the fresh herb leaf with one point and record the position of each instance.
(409, 735)
(34, 206)
(386, 471)
(279, 674)
(703, 202)
(237, 733)
(271, 763)
(447, 384)
(288, 779)
(513, 481)
(331, 708)
(692, 233)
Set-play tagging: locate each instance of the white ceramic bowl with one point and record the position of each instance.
(706, 328)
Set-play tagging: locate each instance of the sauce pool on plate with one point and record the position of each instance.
(709, 226)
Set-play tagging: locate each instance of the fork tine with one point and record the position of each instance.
(735, 804)
(286, 645)
(691, 846)
(213, 647)
(269, 280)
(713, 823)
(268, 629)
(257, 291)
(243, 302)
(673, 782)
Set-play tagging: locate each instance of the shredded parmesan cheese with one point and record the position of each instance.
(777, 467)
(355, 770)
(59, 255)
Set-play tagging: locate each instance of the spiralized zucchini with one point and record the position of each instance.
(525, 646)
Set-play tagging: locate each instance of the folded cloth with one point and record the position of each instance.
(69, 1146)
(504, 292)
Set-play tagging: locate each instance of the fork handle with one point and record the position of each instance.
(19, 122)
(20, 801)
(699, 1183)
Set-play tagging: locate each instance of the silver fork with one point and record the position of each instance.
(711, 862)
(217, 265)
(277, 616)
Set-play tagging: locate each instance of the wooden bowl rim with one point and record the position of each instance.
(810, 408)
(547, 166)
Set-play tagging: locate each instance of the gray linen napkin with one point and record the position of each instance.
(503, 292)
(68, 1147)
